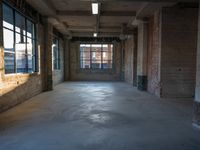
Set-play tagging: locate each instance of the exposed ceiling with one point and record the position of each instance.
(74, 17)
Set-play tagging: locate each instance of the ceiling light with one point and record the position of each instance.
(95, 34)
(95, 8)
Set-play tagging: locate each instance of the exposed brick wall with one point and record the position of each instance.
(77, 74)
(178, 56)
(154, 54)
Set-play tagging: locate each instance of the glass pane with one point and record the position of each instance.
(20, 24)
(8, 40)
(96, 65)
(21, 63)
(96, 47)
(9, 59)
(20, 43)
(30, 29)
(30, 64)
(56, 55)
(107, 64)
(85, 64)
(29, 46)
(34, 47)
(85, 55)
(85, 47)
(96, 55)
(107, 56)
(7, 17)
(105, 47)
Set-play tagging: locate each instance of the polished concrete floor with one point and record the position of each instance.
(99, 116)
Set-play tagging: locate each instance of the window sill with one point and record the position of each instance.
(22, 74)
(101, 71)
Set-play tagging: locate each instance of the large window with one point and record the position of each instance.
(96, 56)
(56, 54)
(19, 42)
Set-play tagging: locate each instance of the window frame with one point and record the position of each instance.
(98, 43)
(34, 54)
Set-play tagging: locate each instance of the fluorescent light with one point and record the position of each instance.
(95, 34)
(95, 8)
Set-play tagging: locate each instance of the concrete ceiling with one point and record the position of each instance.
(74, 17)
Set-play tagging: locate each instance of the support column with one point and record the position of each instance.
(196, 117)
(48, 73)
(142, 56)
(66, 59)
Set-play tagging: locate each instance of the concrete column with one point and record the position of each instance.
(196, 117)
(66, 58)
(142, 56)
(48, 73)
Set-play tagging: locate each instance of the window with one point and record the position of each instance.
(56, 54)
(96, 56)
(19, 42)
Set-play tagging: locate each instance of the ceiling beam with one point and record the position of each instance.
(88, 13)
(92, 29)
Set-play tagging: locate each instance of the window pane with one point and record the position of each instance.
(30, 29)
(85, 47)
(85, 64)
(9, 59)
(20, 45)
(96, 47)
(20, 24)
(7, 17)
(8, 40)
(56, 55)
(96, 64)
(85, 55)
(107, 56)
(107, 64)
(21, 63)
(29, 46)
(30, 64)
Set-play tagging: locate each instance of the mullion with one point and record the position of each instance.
(14, 43)
(26, 51)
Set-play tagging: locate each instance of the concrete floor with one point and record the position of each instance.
(98, 116)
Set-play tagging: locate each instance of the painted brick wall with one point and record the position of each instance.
(178, 56)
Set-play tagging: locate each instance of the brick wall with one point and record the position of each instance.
(178, 56)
